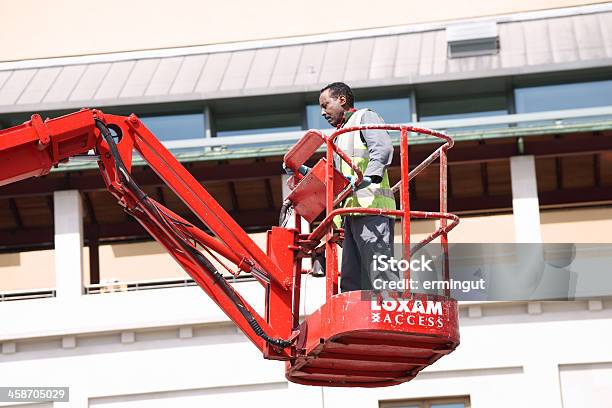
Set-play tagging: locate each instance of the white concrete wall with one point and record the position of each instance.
(173, 347)
(585, 385)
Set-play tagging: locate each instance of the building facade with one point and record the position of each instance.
(88, 301)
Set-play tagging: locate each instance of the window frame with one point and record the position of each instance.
(204, 115)
(521, 105)
(422, 103)
(284, 123)
(426, 402)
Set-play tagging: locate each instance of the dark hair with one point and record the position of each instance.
(340, 88)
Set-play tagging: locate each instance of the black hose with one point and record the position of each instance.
(229, 291)
(204, 262)
(282, 218)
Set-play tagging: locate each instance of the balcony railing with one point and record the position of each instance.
(22, 294)
(111, 287)
(130, 286)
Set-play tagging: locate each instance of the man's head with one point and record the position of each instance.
(335, 99)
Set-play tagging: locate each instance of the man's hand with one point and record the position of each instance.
(303, 170)
(364, 183)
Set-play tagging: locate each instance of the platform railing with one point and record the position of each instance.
(326, 230)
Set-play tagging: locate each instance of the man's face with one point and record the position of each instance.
(332, 108)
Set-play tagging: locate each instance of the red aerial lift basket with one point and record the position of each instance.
(357, 338)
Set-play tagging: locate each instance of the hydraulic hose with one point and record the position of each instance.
(218, 278)
(284, 211)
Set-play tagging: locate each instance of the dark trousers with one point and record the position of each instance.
(364, 238)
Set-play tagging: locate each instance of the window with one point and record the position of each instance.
(391, 110)
(461, 108)
(449, 405)
(258, 131)
(456, 108)
(564, 96)
(454, 402)
(176, 127)
(259, 124)
(314, 118)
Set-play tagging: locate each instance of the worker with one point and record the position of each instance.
(365, 236)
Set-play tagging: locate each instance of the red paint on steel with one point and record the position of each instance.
(443, 208)
(303, 149)
(331, 260)
(309, 194)
(27, 150)
(279, 302)
(405, 198)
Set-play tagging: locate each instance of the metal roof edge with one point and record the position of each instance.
(262, 92)
(299, 40)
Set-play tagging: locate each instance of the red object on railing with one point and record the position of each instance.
(309, 194)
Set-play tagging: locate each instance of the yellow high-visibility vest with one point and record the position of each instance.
(375, 195)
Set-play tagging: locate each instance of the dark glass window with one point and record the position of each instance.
(564, 96)
(391, 110)
(258, 124)
(255, 124)
(258, 131)
(462, 108)
(451, 405)
(458, 108)
(314, 118)
(455, 402)
(175, 127)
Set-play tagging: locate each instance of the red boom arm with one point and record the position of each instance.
(33, 148)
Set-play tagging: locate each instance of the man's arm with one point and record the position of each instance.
(380, 148)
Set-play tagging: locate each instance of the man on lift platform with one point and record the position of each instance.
(365, 236)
